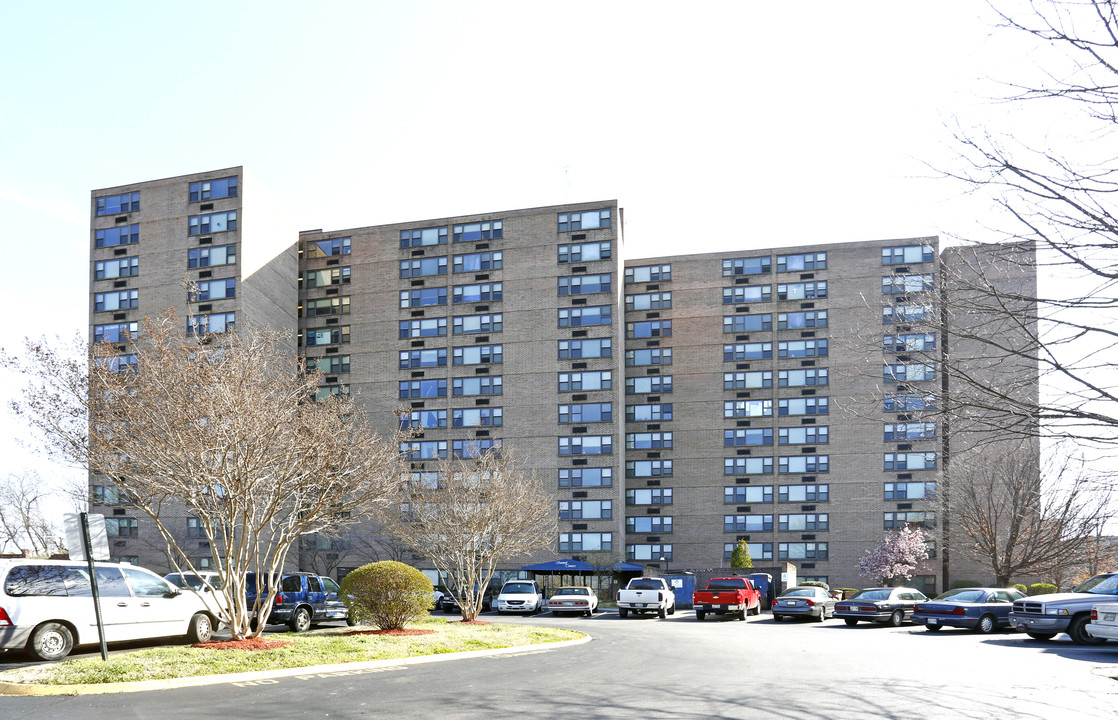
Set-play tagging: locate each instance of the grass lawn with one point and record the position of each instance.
(326, 646)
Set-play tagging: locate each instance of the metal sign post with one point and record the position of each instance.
(87, 545)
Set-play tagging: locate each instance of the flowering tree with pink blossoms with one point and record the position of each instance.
(897, 557)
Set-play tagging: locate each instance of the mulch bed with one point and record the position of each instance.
(393, 633)
(246, 644)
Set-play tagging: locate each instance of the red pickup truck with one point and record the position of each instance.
(728, 595)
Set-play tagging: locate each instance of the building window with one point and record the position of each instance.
(586, 220)
(655, 412)
(747, 351)
(742, 437)
(746, 294)
(209, 324)
(428, 327)
(422, 297)
(576, 349)
(808, 261)
(648, 273)
(581, 316)
(910, 461)
(212, 223)
(649, 301)
(115, 332)
(111, 237)
(422, 389)
(479, 355)
(479, 417)
(747, 323)
(649, 384)
(902, 402)
(121, 267)
(117, 204)
(797, 320)
(194, 529)
(804, 493)
(908, 372)
(757, 551)
(326, 392)
(463, 387)
(213, 189)
(585, 542)
(475, 448)
(585, 477)
(585, 284)
(214, 290)
(122, 300)
(328, 248)
(466, 324)
(747, 380)
(802, 291)
(909, 431)
(747, 408)
(907, 314)
(907, 255)
(916, 518)
(747, 523)
(802, 551)
(802, 348)
(326, 278)
(586, 445)
(327, 336)
(746, 266)
(585, 509)
(119, 363)
(803, 406)
(649, 524)
(424, 450)
(651, 356)
(585, 413)
(747, 466)
(208, 257)
(648, 441)
(910, 491)
(585, 252)
(423, 358)
(422, 237)
(122, 527)
(909, 342)
(423, 419)
(903, 284)
(329, 364)
(807, 435)
(468, 232)
(485, 292)
(577, 381)
(747, 494)
(648, 552)
(110, 495)
(648, 468)
(650, 329)
(422, 267)
(327, 306)
(793, 464)
(649, 496)
(477, 262)
(804, 522)
(802, 378)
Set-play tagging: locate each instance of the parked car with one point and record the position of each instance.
(727, 596)
(892, 605)
(303, 600)
(1042, 617)
(646, 594)
(572, 598)
(46, 606)
(981, 609)
(450, 602)
(201, 583)
(804, 601)
(1104, 621)
(520, 596)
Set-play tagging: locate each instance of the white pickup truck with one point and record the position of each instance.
(646, 594)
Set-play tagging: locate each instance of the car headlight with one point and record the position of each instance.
(1055, 611)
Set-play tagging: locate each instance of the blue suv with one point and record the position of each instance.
(303, 600)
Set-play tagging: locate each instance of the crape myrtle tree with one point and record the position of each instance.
(897, 558)
(23, 526)
(223, 426)
(468, 514)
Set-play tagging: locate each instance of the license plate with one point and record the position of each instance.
(638, 604)
(793, 603)
(1109, 617)
(933, 621)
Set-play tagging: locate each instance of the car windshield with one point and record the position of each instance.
(518, 588)
(571, 591)
(800, 592)
(878, 594)
(725, 585)
(1100, 585)
(963, 595)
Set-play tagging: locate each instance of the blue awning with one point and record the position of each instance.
(572, 566)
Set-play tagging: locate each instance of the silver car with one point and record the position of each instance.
(804, 601)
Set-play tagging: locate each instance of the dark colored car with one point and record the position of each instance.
(891, 605)
(981, 609)
(450, 602)
(303, 600)
(804, 601)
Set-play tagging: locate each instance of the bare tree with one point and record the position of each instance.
(22, 523)
(221, 426)
(1025, 517)
(471, 514)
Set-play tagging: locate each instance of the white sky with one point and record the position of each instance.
(717, 125)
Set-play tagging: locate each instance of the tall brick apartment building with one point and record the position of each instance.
(679, 403)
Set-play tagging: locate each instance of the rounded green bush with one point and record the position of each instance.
(965, 584)
(815, 583)
(1041, 588)
(387, 594)
(1021, 588)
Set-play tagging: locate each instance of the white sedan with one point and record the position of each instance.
(573, 599)
(1104, 621)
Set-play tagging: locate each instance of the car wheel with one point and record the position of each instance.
(1078, 631)
(622, 612)
(699, 615)
(850, 621)
(671, 610)
(51, 641)
(554, 613)
(300, 620)
(350, 621)
(588, 613)
(742, 613)
(200, 629)
(500, 612)
(822, 613)
(986, 624)
(1043, 637)
(897, 618)
(757, 610)
(777, 618)
(662, 613)
(933, 628)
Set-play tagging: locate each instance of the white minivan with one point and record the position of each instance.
(46, 606)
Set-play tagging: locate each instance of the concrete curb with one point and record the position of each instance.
(269, 676)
